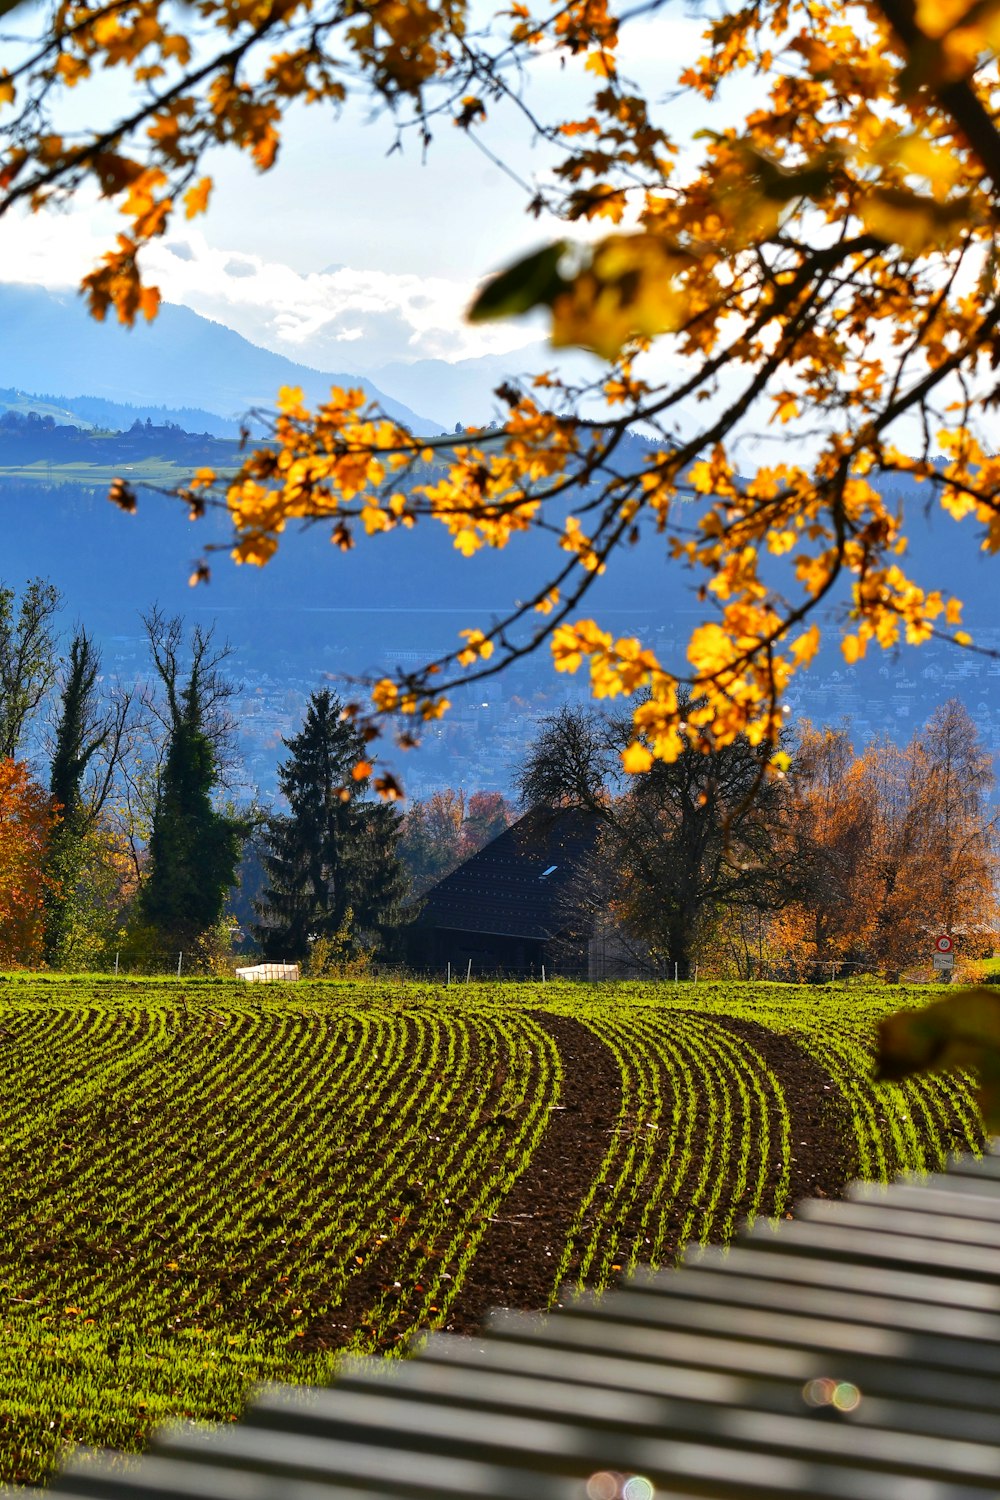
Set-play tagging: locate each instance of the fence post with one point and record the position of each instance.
(448, 980)
(695, 981)
(116, 965)
(468, 972)
(543, 973)
(676, 971)
(180, 957)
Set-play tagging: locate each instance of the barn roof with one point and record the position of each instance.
(513, 887)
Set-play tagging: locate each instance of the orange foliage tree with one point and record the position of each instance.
(440, 831)
(827, 258)
(832, 832)
(26, 823)
(897, 846)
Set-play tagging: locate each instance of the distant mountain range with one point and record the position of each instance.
(181, 362)
(465, 390)
(201, 377)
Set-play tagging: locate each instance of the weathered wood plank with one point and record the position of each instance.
(941, 1258)
(984, 1168)
(159, 1478)
(761, 1257)
(953, 1182)
(722, 1282)
(822, 1335)
(672, 1460)
(715, 1351)
(802, 1431)
(755, 1392)
(966, 1233)
(927, 1200)
(383, 1467)
(698, 1379)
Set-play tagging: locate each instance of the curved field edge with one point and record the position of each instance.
(207, 1185)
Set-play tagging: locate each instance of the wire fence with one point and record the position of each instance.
(178, 964)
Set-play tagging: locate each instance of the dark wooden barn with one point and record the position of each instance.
(508, 909)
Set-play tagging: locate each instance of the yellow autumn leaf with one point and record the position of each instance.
(630, 289)
(149, 302)
(600, 62)
(916, 223)
(786, 407)
(937, 17)
(805, 647)
(917, 155)
(636, 759)
(71, 69)
(196, 198)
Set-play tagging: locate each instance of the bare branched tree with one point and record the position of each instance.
(28, 657)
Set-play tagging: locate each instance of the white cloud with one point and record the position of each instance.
(54, 248)
(329, 319)
(326, 318)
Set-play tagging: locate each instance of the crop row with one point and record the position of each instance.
(896, 1127)
(702, 1140)
(236, 1195)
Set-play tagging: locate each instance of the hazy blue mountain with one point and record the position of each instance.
(50, 343)
(94, 552)
(463, 391)
(398, 600)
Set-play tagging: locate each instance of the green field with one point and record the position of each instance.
(208, 1184)
(164, 473)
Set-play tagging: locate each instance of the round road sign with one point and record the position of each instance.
(943, 944)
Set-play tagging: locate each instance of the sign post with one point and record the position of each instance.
(944, 957)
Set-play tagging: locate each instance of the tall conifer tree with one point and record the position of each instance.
(79, 736)
(193, 849)
(332, 861)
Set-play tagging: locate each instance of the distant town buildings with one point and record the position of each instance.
(481, 742)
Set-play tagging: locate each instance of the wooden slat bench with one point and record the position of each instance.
(853, 1352)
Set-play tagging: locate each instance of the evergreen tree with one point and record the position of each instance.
(332, 861)
(79, 736)
(193, 849)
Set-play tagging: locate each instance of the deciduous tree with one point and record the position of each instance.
(442, 830)
(679, 845)
(26, 822)
(487, 814)
(28, 657)
(959, 823)
(897, 844)
(832, 820)
(824, 258)
(94, 736)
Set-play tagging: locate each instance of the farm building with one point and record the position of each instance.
(508, 909)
